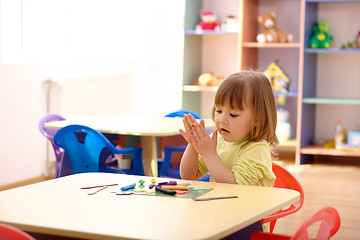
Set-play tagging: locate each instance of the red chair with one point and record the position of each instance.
(12, 233)
(284, 179)
(329, 225)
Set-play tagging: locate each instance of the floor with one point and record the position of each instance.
(327, 182)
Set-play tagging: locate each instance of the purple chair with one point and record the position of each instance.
(50, 133)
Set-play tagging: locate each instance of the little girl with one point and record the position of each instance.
(239, 150)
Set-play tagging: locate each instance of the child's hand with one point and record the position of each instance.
(202, 142)
(189, 121)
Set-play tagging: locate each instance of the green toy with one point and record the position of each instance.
(321, 37)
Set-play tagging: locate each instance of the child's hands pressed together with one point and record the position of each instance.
(202, 142)
(197, 136)
(189, 122)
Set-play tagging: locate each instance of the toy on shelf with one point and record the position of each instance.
(271, 34)
(283, 127)
(208, 21)
(230, 24)
(279, 82)
(321, 37)
(208, 79)
(354, 44)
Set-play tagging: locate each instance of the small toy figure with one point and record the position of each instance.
(230, 24)
(321, 37)
(353, 44)
(271, 34)
(208, 21)
(279, 81)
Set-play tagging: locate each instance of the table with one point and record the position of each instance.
(147, 127)
(60, 207)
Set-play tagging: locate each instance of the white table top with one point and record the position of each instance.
(60, 207)
(148, 127)
(138, 125)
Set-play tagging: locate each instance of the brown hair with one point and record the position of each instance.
(251, 89)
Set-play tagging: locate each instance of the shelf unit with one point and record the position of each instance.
(331, 78)
(319, 91)
(242, 51)
(207, 51)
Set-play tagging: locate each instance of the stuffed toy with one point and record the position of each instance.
(321, 37)
(354, 44)
(208, 79)
(208, 21)
(271, 34)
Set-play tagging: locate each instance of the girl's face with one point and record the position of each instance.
(234, 125)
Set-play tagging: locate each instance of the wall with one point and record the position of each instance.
(156, 80)
(23, 104)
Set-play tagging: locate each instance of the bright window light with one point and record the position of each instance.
(147, 34)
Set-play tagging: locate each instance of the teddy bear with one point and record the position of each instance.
(321, 37)
(271, 34)
(208, 21)
(208, 79)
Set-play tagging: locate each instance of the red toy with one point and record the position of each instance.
(208, 21)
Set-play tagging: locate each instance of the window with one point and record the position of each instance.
(147, 34)
(63, 31)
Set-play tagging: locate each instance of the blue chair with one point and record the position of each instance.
(205, 178)
(174, 147)
(181, 113)
(84, 145)
(49, 134)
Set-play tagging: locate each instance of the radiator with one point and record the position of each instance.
(94, 95)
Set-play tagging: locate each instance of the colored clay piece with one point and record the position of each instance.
(125, 192)
(144, 191)
(127, 187)
(181, 192)
(141, 181)
(166, 191)
(167, 183)
(153, 180)
(176, 187)
(185, 183)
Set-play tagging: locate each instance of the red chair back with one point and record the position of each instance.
(284, 179)
(329, 224)
(12, 233)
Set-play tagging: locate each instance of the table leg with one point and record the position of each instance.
(148, 144)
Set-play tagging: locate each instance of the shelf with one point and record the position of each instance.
(288, 94)
(315, 150)
(332, 50)
(331, 101)
(196, 88)
(208, 32)
(270, 45)
(287, 146)
(331, 1)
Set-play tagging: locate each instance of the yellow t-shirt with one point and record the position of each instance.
(250, 165)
